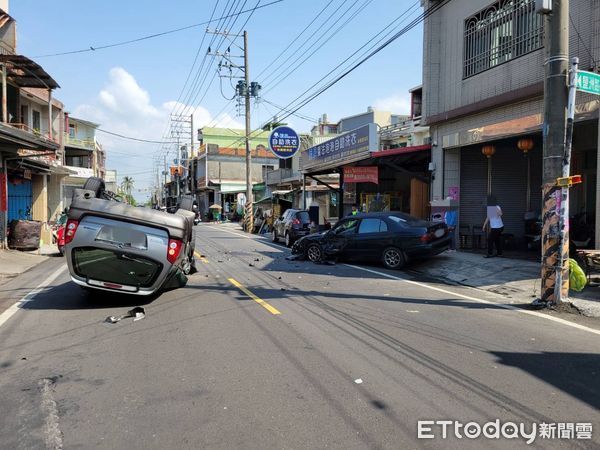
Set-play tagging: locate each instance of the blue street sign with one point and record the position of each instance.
(284, 142)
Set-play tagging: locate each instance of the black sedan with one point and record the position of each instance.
(390, 237)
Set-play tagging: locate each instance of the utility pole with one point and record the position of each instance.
(249, 209)
(245, 90)
(164, 192)
(555, 251)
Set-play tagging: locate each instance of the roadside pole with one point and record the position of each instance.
(598, 187)
(554, 249)
(249, 200)
(562, 269)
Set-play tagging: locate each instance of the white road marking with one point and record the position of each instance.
(480, 300)
(52, 434)
(230, 232)
(30, 296)
(456, 294)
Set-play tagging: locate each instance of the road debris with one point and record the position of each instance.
(358, 381)
(138, 313)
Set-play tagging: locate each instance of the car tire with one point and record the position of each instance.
(274, 235)
(288, 240)
(393, 258)
(314, 253)
(96, 185)
(61, 250)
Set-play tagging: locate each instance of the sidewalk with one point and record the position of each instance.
(15, 262)
(516, 279)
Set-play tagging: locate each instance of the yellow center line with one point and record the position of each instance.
(257, 299)
(200, 257)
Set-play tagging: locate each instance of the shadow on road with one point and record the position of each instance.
(576, 374)
(68, 296)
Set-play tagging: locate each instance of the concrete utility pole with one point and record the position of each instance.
(554, 134)
(246, 90)
(249, 200)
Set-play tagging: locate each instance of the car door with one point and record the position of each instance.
(341, 237)
(371, 239)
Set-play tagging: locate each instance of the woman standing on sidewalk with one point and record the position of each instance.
(494, 226)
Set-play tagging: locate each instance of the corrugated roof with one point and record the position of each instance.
(24, 72)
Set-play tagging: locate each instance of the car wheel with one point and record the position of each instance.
(314, 253)
(95, 184)
(61, 250)
(392, 258)
(288, 240)
(274, 235)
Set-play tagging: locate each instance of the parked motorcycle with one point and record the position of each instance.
(58, 232)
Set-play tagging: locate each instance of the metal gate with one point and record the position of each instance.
(19, 199)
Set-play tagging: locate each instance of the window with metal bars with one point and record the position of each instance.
(499, 33)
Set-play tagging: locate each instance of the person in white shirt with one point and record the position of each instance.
(494, 226)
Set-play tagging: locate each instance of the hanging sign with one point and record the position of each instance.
(284, 142)
(364, 174)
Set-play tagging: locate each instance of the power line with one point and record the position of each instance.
(400, 33)
(131, 138)
(155, 35)
(297, 37)
(328, 85)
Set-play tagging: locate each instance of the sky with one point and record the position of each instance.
(132, 89)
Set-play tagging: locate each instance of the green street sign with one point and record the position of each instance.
(588, 82)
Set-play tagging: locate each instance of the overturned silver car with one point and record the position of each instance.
(113, 246)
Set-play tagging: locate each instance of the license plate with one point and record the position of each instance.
(439, 232)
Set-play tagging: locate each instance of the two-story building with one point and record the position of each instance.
(30, 136)
(83, 155)
(218, 171)
(483, 73)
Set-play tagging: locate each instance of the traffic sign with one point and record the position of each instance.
(588, 82)
(568, 181)
(284, 142)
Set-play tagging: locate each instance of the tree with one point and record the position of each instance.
(127, 185)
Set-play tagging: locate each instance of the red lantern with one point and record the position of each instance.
(525, 145)
(488, 150)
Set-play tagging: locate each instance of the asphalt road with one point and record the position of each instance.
(261, 352)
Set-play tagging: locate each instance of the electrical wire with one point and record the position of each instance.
(431, 10)
(582, 41)
(131, 138)
(152, 36)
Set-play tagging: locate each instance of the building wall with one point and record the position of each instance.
(55, 199)
(235, 170)
(444, 87)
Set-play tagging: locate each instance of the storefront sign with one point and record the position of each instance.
(366, 174)
(284, 142)
(349, 147)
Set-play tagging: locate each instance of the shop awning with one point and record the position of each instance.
(232, 187)
(13, 138)
(400, 151)
(24, 72)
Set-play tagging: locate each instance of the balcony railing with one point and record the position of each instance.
(37, 133)
(281, 175)
(89, 144)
